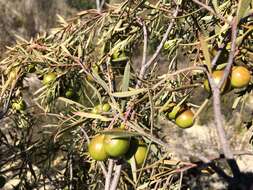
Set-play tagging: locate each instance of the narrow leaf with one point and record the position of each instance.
(92, 116)
(243, 6)
(125, 82)
(119, 133)
(129, 93)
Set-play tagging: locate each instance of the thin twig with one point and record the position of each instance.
(216, 57)
(231, 53)
(145, 65)
(144, 54)
(116, 177)
(209, 9)
(109, 175)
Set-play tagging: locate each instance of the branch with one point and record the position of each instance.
(145, 65)
(144, 54)
(209, 9)
(116, 177)
(109, 175)
(231, 53)
(217, 106)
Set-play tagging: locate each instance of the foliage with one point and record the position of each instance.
(81, 4)
(56, 153)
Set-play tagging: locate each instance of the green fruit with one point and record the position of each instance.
(97, 109)
(106, 107)
(140, 154)
(217, 76)
(185, 119)
(49, 78)
(240, 77)
(101, 108)
(96, 148)
(138, 150)
(116, 146)
(69, 93)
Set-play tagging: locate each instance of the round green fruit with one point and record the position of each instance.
(97, 149)
(97, 109)
(69, 93)
(185, 119)
(116, 146)
(101, 108)
(49, 78)
(240, 77)
(140, 154)
(106, 107)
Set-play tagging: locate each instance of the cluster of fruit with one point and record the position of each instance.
(239, 78)
(183, 116)
(101, 108)
(104, 146)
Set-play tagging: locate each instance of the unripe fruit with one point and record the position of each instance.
(116, 146)
(185, 119)
(97, 109)
(49, 78)
(140, 154)
(240, 77)
(69, 93)
(96, 148)
(106, 107)
(101, 108)
(217, 76)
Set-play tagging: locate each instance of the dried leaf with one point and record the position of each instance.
(129, 93)
(120, 134)
(92, 116)
(243, 6)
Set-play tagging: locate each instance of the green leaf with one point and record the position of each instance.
(125, 82)
(71, 102)
(243, 6)
(92, 116)
(120, 133)
(129, 93)
(100, 81)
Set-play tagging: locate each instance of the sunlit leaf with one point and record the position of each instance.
(129, 93)
(92, 116)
